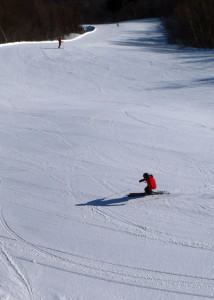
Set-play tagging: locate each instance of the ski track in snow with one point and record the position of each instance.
(22, 278)
(141, 231)
(138, 277)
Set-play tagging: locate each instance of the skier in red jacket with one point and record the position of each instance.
(60, 43)
(151, 183)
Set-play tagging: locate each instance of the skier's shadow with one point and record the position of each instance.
(111, 202)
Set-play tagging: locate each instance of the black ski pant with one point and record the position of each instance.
(147, 190)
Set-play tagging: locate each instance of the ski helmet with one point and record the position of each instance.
(145, 175)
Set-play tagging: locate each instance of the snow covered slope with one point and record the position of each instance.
(78, 128)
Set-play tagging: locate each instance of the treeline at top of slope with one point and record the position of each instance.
(188, 22)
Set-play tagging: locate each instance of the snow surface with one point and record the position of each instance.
(78, 128)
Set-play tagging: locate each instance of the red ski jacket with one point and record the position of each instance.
(151, 182)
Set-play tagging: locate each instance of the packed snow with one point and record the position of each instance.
(78, 128)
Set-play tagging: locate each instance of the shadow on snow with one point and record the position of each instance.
(155, 40)
(111, 202)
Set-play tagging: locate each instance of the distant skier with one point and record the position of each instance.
(60, 43)
(151, 183)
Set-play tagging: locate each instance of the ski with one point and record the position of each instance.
(144, 194)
